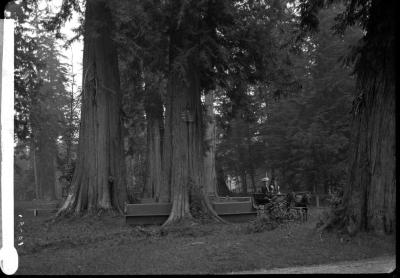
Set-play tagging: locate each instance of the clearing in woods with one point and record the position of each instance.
(107, 245)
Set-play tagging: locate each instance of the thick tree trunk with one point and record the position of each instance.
(210, 178)
(184, 136)
(98, 182)
(371, 194)
(370, 197)
(188, 192)
(154, 134)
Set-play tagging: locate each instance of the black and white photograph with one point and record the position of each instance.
(197, 137)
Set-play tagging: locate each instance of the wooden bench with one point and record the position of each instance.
(235, 211)
(148, 213)
(157, 213)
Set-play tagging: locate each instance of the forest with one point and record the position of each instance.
(181, 101)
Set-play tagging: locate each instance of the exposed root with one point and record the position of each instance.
(211, 212)
(70, 209)
(202, 211)
(175, 220)
(337, 220)
(65, 207)
(201, 207)
(338, 217)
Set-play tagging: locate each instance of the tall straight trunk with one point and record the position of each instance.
(45, 166)
(239, 133)
(370, 197)
(165, 190)
(70, 135)
(371, 193)
(35, 175)
(210, 178)
(184, 136)
(251, 164)
(98, 182)
(244, 182)
(154, 134)
(253, 180)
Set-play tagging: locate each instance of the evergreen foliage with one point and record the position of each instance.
(42, 101)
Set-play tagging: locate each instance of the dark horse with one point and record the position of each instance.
(299, 200)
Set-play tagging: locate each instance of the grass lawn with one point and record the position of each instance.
(93, 245)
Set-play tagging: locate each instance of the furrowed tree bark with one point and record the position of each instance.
(370, 197)
(188, 191)
(154, 115)
(209, 160)
(371, 194)
(165, 190)
(184, 133)
(98, 181)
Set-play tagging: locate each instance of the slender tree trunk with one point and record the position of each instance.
(165, 190)
(251, 164)
(209, 160)
(244, 182)
(98, 182)
(70, 134)
(45, 166)
(154, 126)
(37, 191)
(253, 181)
(239, 132)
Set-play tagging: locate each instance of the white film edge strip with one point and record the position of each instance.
(8, 253)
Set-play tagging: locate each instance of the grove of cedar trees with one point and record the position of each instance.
(196, 92)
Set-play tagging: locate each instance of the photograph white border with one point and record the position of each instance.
(8, 253)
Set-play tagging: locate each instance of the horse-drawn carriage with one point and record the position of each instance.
(290, 206)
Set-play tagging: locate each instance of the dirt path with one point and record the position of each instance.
(375, 265)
